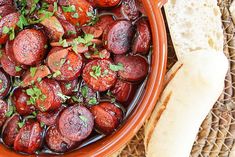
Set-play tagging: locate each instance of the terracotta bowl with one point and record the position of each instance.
(142, 111)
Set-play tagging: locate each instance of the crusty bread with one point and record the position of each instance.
(184, 104)
(194, 25)
(232, 10)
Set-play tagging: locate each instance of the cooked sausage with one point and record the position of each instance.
(142, 39)
(10, 130)
(19, 99)
(29, 46)
(140, 6)
(6, 2)
(29, 138)
(53, 28)
(3, 111)
(76, 123)
(69, 29)
(6, 9)
(68, 87)
(122, 90)
(57, 142)
(102, 54)
(135, 67)
(104, 21)
(49, 118)
(10, 67)
(98, 76)
(8, 21)
(4, 84)
(50, 1)
(40, 72)
(117, 37)
(67, 62)
(129, 9)
(9, 50)
(78, 16)
(95, 31)
(105, 3)
(107, 117)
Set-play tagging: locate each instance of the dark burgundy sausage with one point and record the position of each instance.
(29, 138)
(65, 62)
(107, 117)
(3, 111)
(69, 29)
(29, 46)
(104, 21)
(122, 91)
(8, 21)
(76, 123)
(57, 142)
(10, 130)
(6, 2)
(50, 1)
(6, 9)
(129, 9)
(9, 50)
(95, 31)
(100, 54)
(140, 6)
(49, 118)
(142, 39)
(98, 76)
(135, 67)
(4, 84)
(117, 37)
(68, 87)
(105, 3)
(19, 99)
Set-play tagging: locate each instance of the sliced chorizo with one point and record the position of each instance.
(57, 142)
(49, 118)
(78, 12)
(3, 111)
(107, 117)
(6, 2)
(142, 39)
(65, 62)
(122, 91)
(98, 76)
(35, 74)
(69, 29)
(5, 84)
(98, 54)
(29, 46)
(140, 6)
(19, 99)
(129, 9)
(6, 9)
(76, 123)
(117, 37)
(135, 67)
(8, 21)
(68, 87)
(29, 138)
(10, 130)
(50, 1)
(105, 3)
(104, 21)
(95, 31)
(9, 50)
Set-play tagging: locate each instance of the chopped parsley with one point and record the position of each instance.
(117, 67)
(10, 111)
(10, 31)
(96, 72)
(92, 101)
(84, 91)
(35, 94)
(18, 68)
(75, 15)
(63, 97)
(33, 71)
(68, 86)
(70, 8)
(57, 73)
(21, 124)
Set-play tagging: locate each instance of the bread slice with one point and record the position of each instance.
(184, 104)
(194, 25)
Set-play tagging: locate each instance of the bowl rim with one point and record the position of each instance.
(146, 104)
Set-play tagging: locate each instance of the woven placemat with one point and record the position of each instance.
(216, 136)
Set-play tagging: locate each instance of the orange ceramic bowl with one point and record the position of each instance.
(143, 109)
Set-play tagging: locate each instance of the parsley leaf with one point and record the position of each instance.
(10, 31)
(92, 101)
(10, 111)
(21, 124)
(117, 67)
(96, 72)
(84, 91)
(33, 71)
(18, 68)
(70, 8)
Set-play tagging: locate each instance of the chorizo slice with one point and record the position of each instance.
(104, 21)
(97, 54)
(49, 118)
(107, 117)
(6, 9)
(5, 84)
(29, 46)
(19, 99)
(69, 29)
(10, 130)
(35, 74)
(105, 3)
(76, 11)
(3, 111)
(117, 37)
(129, 9)
(76, 123)
(29, 138)
(135, 67)
(95, 31)
(122, 91)
(50, 1)
(9, 50)
(6, 2)
(142, 38)
(8, 21)
(57, 142)
(98, 75)
(68, 87)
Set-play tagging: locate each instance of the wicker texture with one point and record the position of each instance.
(216, 136)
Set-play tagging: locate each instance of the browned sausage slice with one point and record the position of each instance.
(4, 84)
(129, 9)
(69, 29)
(4, 2)
(98, 76)
(8, 21)
(76, 123)
(105, 3)
(104, 21)
(95, 31)
(5, 10)
(3, 111)
(10, 130)
(68, 87)
(142, 39)
(135, 67)
(29, 138)
(117, 37)
(57, 142)
(29, 46)
(100, 54)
